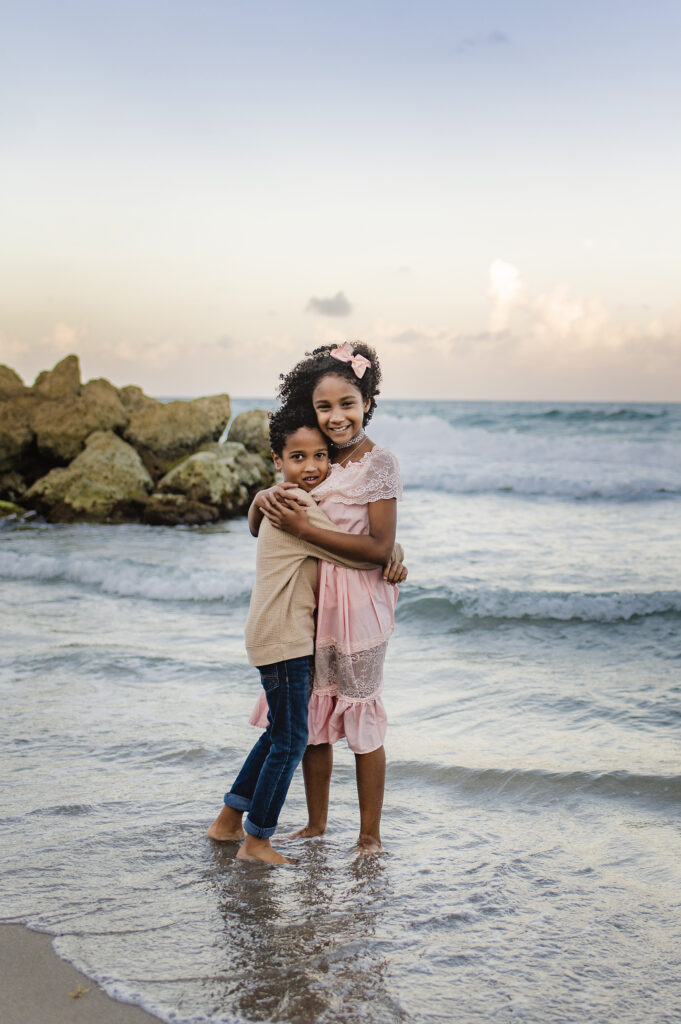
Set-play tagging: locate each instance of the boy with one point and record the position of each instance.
(280, 641)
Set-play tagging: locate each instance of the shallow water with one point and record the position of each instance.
(533, 808)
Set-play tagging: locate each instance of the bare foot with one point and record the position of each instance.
(253, 849)
(309, 832)
(227, 826)
(366, 846)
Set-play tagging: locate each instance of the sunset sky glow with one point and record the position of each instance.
(196, 192)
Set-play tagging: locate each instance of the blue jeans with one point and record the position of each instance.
(262, 784)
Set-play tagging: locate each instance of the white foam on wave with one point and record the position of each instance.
(124, 579)
(435, 455)
(541, 605)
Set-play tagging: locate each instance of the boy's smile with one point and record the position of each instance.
(305, 458)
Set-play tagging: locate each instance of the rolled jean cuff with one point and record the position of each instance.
(259, 833)
(238, 803)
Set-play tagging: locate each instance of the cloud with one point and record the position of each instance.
(555, 324)
(151, 353)
(409, 337)
(396, 268)
(485, 39)
(553, 342)
(225, 341)
(505, 292)
(64, 338)
(338, 305)
(11, 348)
(416, 337)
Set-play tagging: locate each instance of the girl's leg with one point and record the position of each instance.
(370, 770)
(317, 768)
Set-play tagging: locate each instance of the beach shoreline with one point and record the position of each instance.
(37, 986)
(533, 748)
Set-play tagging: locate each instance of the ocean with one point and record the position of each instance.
(532, 823)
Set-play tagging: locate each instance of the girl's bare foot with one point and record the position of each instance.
(309, 832)
(366, 846)
(227, 826)
(253, 849)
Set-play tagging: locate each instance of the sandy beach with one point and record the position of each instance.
(38, 987)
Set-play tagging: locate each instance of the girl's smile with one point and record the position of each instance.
(339, 407)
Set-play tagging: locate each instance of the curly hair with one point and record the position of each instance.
(286, 420)
(297, 385)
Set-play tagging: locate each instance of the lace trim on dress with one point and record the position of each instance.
(375, 477)
(352, 647)
(357, 677)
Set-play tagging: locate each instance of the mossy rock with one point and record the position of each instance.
(8, 508)
(165, 434)
(252, 429)
(105, 483)
(178, 510)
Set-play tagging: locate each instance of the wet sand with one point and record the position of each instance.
(36, 986)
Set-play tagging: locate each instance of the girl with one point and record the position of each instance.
(355, 608)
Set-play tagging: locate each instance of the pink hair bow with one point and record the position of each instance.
(346, 355)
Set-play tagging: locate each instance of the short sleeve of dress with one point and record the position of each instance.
(383, 476)
(375, 478)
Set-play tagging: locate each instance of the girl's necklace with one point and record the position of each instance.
(359, 436)
(353, 451)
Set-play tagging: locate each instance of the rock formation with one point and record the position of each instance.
(162, 434)
(252, 430)
(11, 383)
(96, 453)
(106, 482)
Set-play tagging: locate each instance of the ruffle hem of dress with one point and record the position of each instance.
(362, 723)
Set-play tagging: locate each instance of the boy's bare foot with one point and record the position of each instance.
(309, 832)
(227, 826)
(253, 849)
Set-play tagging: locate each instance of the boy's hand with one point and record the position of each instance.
(395, 572)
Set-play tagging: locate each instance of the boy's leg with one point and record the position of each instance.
(370, 788)
(287, 687)
(317, 768)
(227, 826)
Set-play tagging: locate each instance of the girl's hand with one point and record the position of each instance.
(264, 500)
(287, 515)
(272, 497)
(395, 572)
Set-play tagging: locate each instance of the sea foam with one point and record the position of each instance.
(123, 579)
(439, 455)
(441, 605)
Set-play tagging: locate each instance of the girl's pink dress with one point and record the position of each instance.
(355, 615)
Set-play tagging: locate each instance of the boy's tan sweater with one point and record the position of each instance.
(280, 622)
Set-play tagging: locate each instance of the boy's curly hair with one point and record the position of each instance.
(286, 420)
(297, 385)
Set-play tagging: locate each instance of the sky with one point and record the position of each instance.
(196, 192)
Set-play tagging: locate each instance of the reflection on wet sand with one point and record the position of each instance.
(299, 943)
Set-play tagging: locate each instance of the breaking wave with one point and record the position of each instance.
(439, 453)
(124, 579)
(438, 607)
